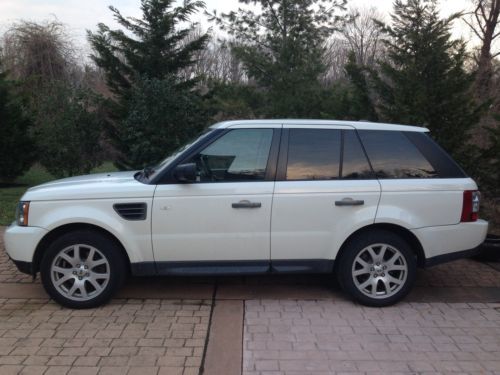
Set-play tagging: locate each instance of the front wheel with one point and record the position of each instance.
(377, 268)
(82, 269)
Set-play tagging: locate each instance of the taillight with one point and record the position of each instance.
(470, 207)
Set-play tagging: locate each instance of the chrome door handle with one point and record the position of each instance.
(349, 202)
(246, 204)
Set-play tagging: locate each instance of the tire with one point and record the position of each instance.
(361, 271)
(86, 280)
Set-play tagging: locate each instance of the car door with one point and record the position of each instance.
(221, 222)
(325, 190)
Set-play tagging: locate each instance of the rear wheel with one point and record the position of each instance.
(82, 269)
(377, 268)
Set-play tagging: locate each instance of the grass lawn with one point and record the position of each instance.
(10, 195)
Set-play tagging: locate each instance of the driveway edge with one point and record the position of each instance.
(225, 341)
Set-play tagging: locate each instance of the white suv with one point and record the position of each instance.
(368, 202)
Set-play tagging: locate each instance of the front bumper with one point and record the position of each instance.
(21, 243)
(24, 267)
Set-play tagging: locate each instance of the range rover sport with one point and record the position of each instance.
(366, 202)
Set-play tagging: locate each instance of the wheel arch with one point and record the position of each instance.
(404, 233)
(67, 228)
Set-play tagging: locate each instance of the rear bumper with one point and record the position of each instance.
(444, 258)
(449, 242)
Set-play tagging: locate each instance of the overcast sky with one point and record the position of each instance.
(81, 15)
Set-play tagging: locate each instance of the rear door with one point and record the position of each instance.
(325, 190)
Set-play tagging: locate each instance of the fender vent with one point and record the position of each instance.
(131, 211)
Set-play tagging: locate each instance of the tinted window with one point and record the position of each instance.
(239, 155)
(440, 160)
(313, 154)
(354, 163)
(392, 155)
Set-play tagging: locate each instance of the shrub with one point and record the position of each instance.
(16, 146)
(68, 133)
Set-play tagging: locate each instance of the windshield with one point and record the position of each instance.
(153, 171)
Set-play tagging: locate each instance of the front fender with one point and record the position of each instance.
(135, 236)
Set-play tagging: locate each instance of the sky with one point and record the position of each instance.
(82, 15)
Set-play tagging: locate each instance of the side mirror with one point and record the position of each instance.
(185, 172)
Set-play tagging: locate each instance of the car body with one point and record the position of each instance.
(259, 196)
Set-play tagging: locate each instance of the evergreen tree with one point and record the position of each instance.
(281, 45)
(155, 47)
(160, 117)
(16, 145)
(423, 80)
(361, 104)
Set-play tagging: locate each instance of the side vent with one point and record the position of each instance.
(131, 211)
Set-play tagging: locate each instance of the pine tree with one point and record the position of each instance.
(16, 146)
(155, 47)
(281, 44)
(361, 104)
(423, 80)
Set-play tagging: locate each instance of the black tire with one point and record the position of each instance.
(108, 249)
(357, 246)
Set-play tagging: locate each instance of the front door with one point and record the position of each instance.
(221, 222)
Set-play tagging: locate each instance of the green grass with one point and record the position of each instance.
(10, 194)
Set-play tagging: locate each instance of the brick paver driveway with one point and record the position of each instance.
(255, 325)
(324, 337)
(124, 337)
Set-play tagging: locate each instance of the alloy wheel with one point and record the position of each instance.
(379, 271)
(80, 272)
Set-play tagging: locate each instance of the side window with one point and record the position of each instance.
(392, 155)
(313, 154)
(354, 163)
(239, 155)
(445, 166)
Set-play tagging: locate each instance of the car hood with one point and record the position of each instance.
(93, 186)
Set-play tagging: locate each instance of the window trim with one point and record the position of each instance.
(283, 155)
(167, 177)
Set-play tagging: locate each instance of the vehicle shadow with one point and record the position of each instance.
(436, 284)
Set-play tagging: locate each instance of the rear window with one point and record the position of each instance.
(313, 154)
(393, 155)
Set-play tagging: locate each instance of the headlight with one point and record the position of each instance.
(22, 212)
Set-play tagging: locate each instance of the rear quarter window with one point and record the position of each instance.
(443, 163)
(393, 155)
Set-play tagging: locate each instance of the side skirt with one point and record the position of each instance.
(244, 267)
